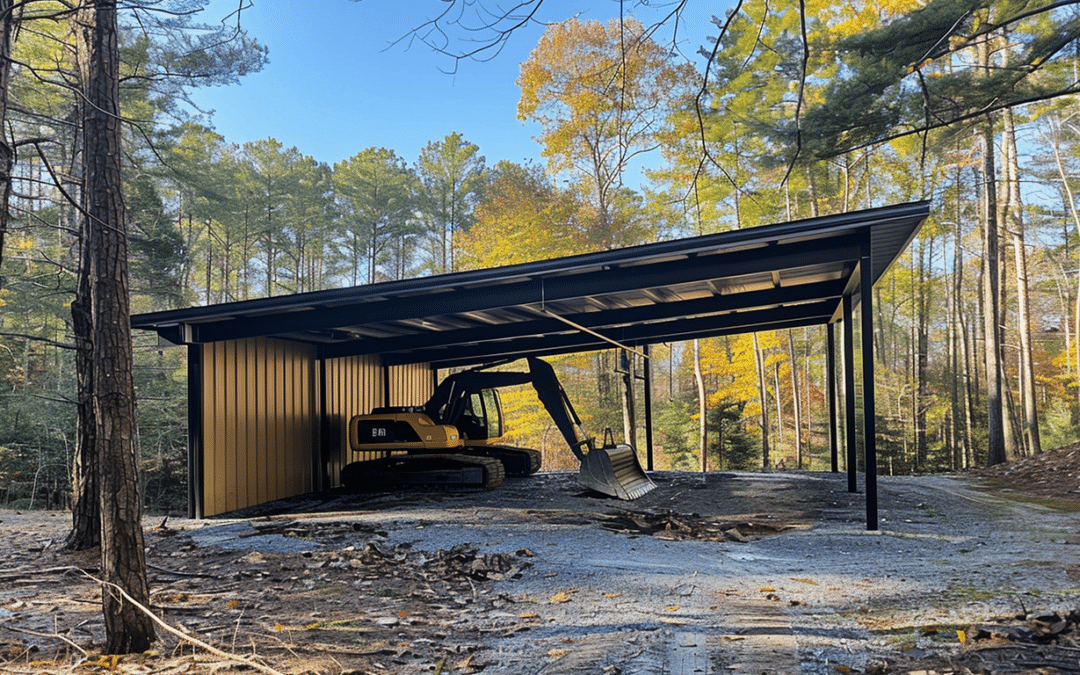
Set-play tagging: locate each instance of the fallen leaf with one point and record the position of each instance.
(962, 636)
(767, 589)
(804, 580)
(841, 668)
(612, 595)
(557, 653)
(671, 608)
(561, 596)
(528, 615)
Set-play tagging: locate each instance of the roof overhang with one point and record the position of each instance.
(776, 276)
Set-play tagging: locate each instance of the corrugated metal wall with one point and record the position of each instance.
(262, 437)
(355, 385)
(259, 422)
(411, 385)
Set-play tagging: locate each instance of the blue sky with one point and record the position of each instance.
(335, 85)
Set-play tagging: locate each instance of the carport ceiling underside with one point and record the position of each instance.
(776, 276)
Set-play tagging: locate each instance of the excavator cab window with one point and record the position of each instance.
(481, 418)
(471, 424)
(493, 413)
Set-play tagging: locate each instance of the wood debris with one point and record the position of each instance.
(673, 526)
(1041, 643)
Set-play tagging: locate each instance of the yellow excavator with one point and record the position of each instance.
(456, 438)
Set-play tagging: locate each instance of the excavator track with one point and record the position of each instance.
(424, 469)
(515, 461)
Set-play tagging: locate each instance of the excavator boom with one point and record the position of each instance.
(610, 469)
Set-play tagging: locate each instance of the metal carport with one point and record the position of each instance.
(786, 275)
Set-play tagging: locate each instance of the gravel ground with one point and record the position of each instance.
(820, 595)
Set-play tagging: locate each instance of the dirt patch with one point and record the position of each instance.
(1054, 474)
(706, 574)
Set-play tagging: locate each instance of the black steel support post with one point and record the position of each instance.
(648, 409)
(849, 396)
(195, 448)
(869, 428)
(830, 392)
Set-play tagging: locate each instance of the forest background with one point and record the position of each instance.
(215, 221)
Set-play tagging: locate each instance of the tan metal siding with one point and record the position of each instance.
(410, 384)
(259, 422)
(354, 385)
(357, 384)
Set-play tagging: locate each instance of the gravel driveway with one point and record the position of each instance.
(820, 595)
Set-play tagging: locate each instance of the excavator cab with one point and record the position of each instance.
(480, 422)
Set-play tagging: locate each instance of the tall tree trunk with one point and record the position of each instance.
(995, 402)
(958, 361)
(922, 361)
(703, 410)
(1070, 207)
(796, 402)
(85, 501)
(123, 563)
(1014, 221)
(628, 408)
(85, 505)
(779, 403)
(763, 394)
(7, 153)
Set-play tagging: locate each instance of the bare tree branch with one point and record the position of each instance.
(804, 64)
(435, 35)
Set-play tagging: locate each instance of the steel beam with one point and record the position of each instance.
(195, 418)
(869, 422)
(849, 396)
(830, 392)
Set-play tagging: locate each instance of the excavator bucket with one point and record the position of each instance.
(615, 471)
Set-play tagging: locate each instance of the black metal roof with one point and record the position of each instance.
(763, 278)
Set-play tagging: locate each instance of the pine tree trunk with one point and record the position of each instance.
(123, 564)
(703, 429)
(960, 401)
(7, 153)
(995, 403)
(628, 409)
(763, 398)
(796, 402)
(1015, 224)
(85, 501)
(85, 505)
(1069, 206)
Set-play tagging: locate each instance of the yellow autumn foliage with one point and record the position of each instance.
(731, 361)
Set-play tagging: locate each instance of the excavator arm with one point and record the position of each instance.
(612, 469)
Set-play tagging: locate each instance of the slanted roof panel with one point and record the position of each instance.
(775, 276)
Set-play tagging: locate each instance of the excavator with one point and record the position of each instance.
(455, 438)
